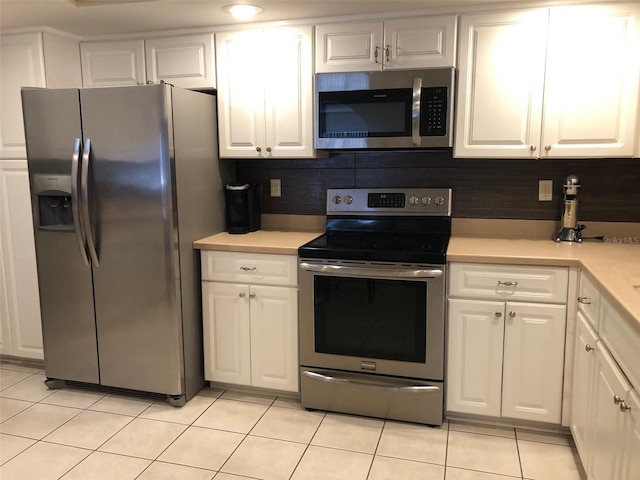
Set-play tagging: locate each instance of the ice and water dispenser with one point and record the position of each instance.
(54, 201)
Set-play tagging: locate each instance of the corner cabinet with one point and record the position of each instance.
(394, 44)
(250, 319)
(185, 61)
(506, 341)
(605, 410)
(528, 87)
(265, 93)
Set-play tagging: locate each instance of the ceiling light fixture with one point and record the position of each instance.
(242, 11)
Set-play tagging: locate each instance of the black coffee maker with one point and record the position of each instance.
(243, 207)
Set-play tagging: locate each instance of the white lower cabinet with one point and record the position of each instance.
(250, 329)
(584, 364)
(21, 331)
(605, 409)
(506, 358)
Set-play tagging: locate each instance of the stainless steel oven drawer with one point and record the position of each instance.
(372, 395)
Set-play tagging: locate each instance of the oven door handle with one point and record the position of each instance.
(372, 272)
(377, 386)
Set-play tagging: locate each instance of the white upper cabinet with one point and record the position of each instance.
(184, 61)
(36, 59)
(112, 64)
(548, 83)
(396, 44)
(265, 93)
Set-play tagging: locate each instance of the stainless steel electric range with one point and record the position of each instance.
(372, 305)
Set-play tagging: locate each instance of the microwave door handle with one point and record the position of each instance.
(415, 111)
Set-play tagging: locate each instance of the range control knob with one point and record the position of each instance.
(348, 199)
(440, 200)
(337, 200)
(426, 200)
(413, 200)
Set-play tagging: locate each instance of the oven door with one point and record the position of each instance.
(377, 318)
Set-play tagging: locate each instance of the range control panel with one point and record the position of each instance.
(392, 201)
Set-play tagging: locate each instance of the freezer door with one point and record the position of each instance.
(130, 191)
(52, 123)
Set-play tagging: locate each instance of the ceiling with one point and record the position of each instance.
(103, 17)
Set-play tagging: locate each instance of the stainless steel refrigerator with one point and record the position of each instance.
(123, 180)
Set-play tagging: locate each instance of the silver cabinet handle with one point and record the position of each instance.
(258, 149)
(533, 148)
(75, 200)
(269, 149)
(512, 314)
(242, 294)
(508, 284)
(386, 52)
(624, 407)
(415, 111)
(375, 54)
(589, 348)
(547, 147)
(248, 269)
(584, 300)
(84, 187)
(252, 295)
(617, 399)
(498, 314)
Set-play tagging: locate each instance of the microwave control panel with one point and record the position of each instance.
(433, 118)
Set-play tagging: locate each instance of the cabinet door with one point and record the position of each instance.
(500, 84)
(631, 461)
(112, 64)
(420, 42)
(584, 361)
(226, 333)
(241, 93)
(349, 47)
(591, 73)
(289, 93)
(21, 65)
(185, 61)
(274, 338)
(474, 356)
(21, 327)
(533, 361)
(608, 421)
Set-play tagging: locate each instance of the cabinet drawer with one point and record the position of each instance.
(509, 282)
(252, 268)
(622, 339)
(589, 298)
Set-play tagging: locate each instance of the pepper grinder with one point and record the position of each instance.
(570, 230)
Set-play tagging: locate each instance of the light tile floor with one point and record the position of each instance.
(77, 434)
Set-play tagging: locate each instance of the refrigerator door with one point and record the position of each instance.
(52, 125)
(131, 209)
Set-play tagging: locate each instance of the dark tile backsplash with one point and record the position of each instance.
(482, 188)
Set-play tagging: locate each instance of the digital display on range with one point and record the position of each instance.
(386, 200)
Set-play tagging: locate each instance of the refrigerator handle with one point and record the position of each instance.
(84, 188)
(75, 208)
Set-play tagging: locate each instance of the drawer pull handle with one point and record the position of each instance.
(584, 300)
(252, 295)
(241, 294)
(498, 314)
(512, 314)
(624, 407)
(508, 284)
(248, 269)
(617, 400)
(589, 348)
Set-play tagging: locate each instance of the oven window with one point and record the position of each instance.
(371, 318)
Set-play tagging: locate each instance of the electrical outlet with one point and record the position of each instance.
(275, 187)
(545, 190)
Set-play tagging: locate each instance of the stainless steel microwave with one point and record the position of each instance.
(389, 109)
